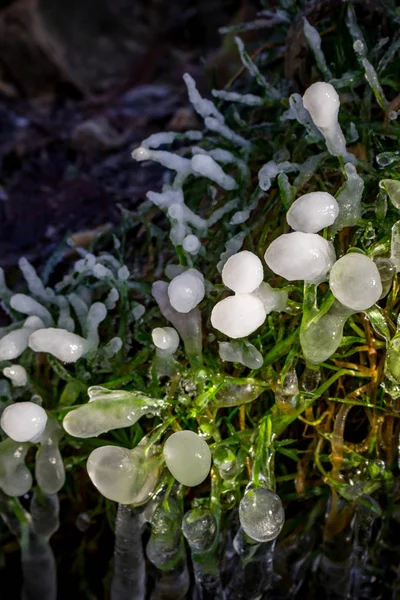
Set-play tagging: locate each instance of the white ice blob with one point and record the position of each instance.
(165, 338)
(23, 421)
(186, 291)
(261, 514)
(322, 102)
(28, 306)
(300, 256)
(205, 165)
(191, 244)
(188, 457)
(243, 272)
(14, 343)
(238, 316)
(17, 374)
(312, 212)
(64, 345)
(355, 281)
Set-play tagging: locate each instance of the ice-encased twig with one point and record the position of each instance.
(349, 200)
(129, 580)
(252, 68)
(188, 325)
(314, 41)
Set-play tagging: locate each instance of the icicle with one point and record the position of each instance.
(15, 477)
(163, 547)
(188, 325)
(45, 510)
(107, 410)
(166, 341)
(314, 41)
(247, 99)
(129, 580)
(349, 200)
(49, 466)
(394, 247)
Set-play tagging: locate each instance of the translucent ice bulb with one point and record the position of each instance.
(64, 345)
(165, 338)
(118, 473)
(199, 527)
(188, 457)
(261, 514)
(322, 102)
(17, 374)
(238, 316)
(186, 291)
(23, 421)
(355, 281)
(300, 256)
(15, 477)
(312, 212)
(243, 272)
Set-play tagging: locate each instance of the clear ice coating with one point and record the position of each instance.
(321, 338)
(15, 477)
(64, 345)
(45, 509)
(17, 374)
(238, 316)
(243, 353)
(188, 457)
(107, 410)
(165, 338)
(392, 188)
(164, 545)
(261, 514)
(349, 199)
(225, 461)
(355, 281)
(186, 290)
(322, 102)
(23, 421)
(300, 256)
(272, 299)
(118, 473)
(200, 528)
(312, 212)
(243, 272)
(49, 466)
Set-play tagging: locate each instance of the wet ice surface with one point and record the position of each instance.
(355, 281)
(261, 514)
(62, 344)
(243, 272)
(186, 291)
(165, 338)
(199, 527)
(300, 256)
(243, 353)
(23, 421)
(272, 299)
(238, 316)
(312, 212)
(188, 457)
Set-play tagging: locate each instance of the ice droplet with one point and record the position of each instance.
(261, 514)
(23, 421)
(188, 457)
(355, 281)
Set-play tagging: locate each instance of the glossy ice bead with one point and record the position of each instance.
(186, 291)
(300, 256)
(238, 316)
(243, 272)
(261, 514)
(165, 338)
(23, 421)
(188, 457)
(322, 102)
(355, 281)
(312, 212)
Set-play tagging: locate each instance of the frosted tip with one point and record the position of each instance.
(243, 272)
(300, 256)
(238, 316)
(165, 338)
(23, 421)
(312, 212)
(355, 281)
(186, 291)
(322, 102)
(188, 457)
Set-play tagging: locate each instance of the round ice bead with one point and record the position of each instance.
(199, 527)
(300, 256)
(312, 212)
(355, 281)
(238, 316)
(243, 272)
(23, 421)
(116, 472)
(191, 244)
(261, 514)
(188, 457)
(186, 291)
(322, 102)
(165, 338)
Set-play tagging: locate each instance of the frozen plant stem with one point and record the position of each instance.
(129, 566)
